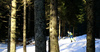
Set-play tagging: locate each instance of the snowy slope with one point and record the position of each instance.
(65, 45)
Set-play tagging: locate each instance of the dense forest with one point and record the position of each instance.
(23, 19)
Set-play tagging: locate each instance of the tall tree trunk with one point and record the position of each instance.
(73, 32)
(13, 27)
(59, 27)
(40, 26)
(69, 28)
(29, 13)
(90, 26)
(24, 27)
(64, 28)
(53, 27)
(9, 30)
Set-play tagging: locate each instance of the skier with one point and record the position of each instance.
(70, 34)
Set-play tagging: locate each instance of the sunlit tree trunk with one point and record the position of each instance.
(40, 26)
(13, 27)
(53, 27)
(59, 27)
(90, 26)
(24, 27)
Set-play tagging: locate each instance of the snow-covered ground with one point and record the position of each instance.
(65, 45)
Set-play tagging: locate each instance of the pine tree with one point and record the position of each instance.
(13, 27)
(90, 26)
(24, 27)
(53, 27)
(40, 26)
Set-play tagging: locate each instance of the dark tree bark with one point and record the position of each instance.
(90, 26)
(73, 32)
(9, 30)
(40, 26)
(29, 17)
(97, 15)
(53, 27)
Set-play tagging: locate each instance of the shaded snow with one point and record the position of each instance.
(65, 45)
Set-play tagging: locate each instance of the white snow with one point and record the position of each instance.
(65, 45)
